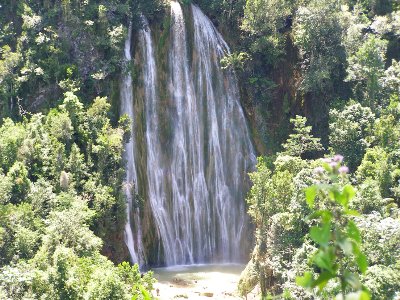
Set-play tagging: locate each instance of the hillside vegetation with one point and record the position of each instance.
(320, 86)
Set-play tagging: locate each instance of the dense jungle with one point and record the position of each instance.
(145, 134)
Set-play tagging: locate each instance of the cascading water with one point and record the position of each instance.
(229, 151)
(130, 185)
(198, 148)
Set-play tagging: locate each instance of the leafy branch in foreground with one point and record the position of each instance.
(339, 257)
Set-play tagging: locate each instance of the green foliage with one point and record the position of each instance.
(381, 238)
(262, 20)
(60, 187)
(9, 60)
(318, 233)
(386, 132)
(227, 12)
(336, 235)
(391, 80)
(317, 32)
(383, 282)
(366, 68)
(316, 43)
(235, 60)
(301, 141)
(11, 137)
(350, 130)
(61, 171)
(47, 48)
(18, 175)
(276, 204)
(375, 166)
(369, 197)
(20, 233)
(266, 16)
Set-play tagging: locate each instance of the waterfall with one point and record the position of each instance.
(155, 170)
(198, 149)
(229, 151)
(130, 186)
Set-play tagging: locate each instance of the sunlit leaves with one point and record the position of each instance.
(353, 231)
(325, 259)
(337, 237)
(349, 131)
(321, 235)
(317, 33)
(366, 67)
(306, 280)
(301, 141)
(60, 176)
(311, 193)
(235, 60)
(346, 246)
(362, 262)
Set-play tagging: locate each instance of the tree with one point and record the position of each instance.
(317, 31)
(60, 185)
(390, 82)
(266, 16)
(365, 69)
(301, 141)
(276, 204)
(350, 131)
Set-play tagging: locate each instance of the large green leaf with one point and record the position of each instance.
(321, 235)
(311, 193)
(362, 262)
(348, 193)
(306, 280)
(353, 232)
(325, 260)
(323, 279)
(326, 215)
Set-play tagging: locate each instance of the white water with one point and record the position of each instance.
(211, 151)
(195, 180)
(230, 152)
(130, 187)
